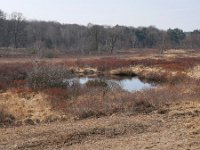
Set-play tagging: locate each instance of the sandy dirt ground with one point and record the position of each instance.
(175, 128)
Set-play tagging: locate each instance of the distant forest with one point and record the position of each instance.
(17, 32)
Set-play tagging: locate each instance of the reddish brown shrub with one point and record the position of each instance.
(57, 97)
(57, 93)
(11, 72)
(19, 83)
(22, 90)
(3, 86)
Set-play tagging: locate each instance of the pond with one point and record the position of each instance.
(127, 84)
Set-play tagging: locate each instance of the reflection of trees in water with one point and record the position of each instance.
(104, 83)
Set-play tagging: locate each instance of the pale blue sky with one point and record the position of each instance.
(163, 14)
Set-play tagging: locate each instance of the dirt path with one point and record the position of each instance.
(177, 129)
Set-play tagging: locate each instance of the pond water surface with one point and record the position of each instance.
(127, 84)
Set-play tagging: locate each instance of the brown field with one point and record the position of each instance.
(38, 114)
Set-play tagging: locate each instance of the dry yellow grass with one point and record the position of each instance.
(34, 106)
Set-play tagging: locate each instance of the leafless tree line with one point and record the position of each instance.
(17, 32)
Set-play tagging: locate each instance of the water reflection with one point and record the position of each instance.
(127, 84)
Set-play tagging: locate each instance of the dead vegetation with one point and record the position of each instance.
(38, 93)
(97, 98)
(161, 69)
(5, 118)
(102, 104)
(94, 101)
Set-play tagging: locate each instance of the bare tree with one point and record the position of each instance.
(162, 42)
(2, 26)
(2, 15)
(17, 19)
(113, 38)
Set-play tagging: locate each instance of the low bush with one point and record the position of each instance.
(46, 76)
(95, 104)
(19, 83)
(5, 118)
(58, 97)
(11, 72)
(3, 86)
(57, 92)
(97, 83)
(2, 115)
